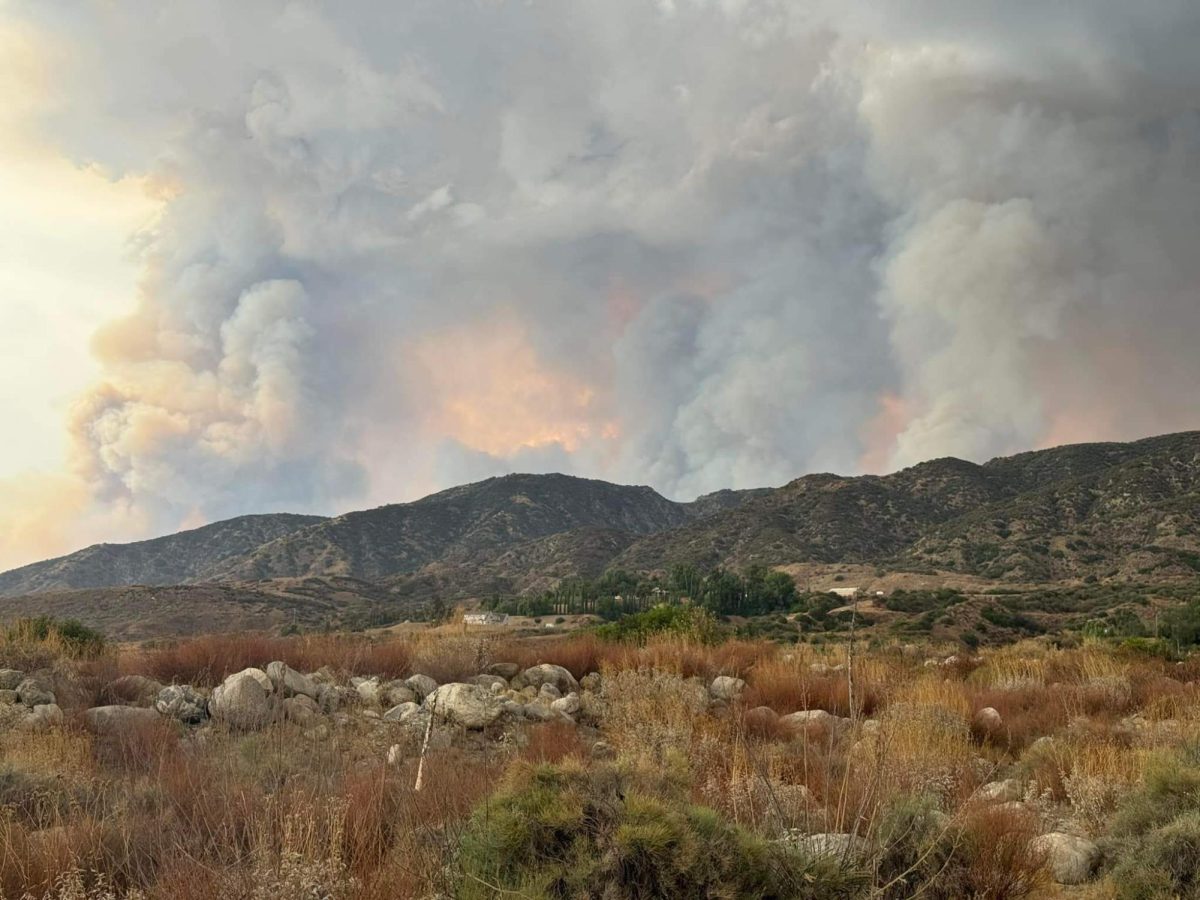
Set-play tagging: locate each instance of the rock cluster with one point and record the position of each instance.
(27, 702)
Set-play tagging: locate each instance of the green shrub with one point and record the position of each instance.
(570, 832)
(71, 635)
(687, 621)
(1154, 850)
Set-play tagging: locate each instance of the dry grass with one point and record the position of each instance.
(209, 659)
(199, 815)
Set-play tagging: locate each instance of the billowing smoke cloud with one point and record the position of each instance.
(695, 244)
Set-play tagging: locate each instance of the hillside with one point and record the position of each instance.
(188, 556)
(1090, 511)
(457, 526)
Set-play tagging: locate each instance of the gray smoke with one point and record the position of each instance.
(694, 244)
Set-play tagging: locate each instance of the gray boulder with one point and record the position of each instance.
(183, 703)
(402, 712)
(548, 693)
(368, 691)
(505, 670)
(548, 673)
(468, 705)
(726, 687)
(115, 719)
(33, 692)
(42, 717)
(1069, 858)
(422, 684)
(396, 692)
(491, 682)
(241, 701)
(287, 682)
(136, 689)
(301, 709)
(568, 705)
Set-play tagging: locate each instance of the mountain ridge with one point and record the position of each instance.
(1101, 510)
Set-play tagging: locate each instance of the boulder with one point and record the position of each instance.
(368, 691)
(830, 844)
(468, 705)
(263, 679)
(761, 718)
(301, 709)
(505, 670)
(183, 703)
(1004, 791)
(1069, 858)
(548, 673)
(726, 687)
(423, 685)
(332, 696)
(539, 712)
(33, 692)
(10, 678)
(988, 720)
(548, 693)
(115, 719)
(806, 717)
(568, 705)
(288, 682)
(241, 700)
(396, 692)
(402, 712)
(136, 689)
(42, 717)
(491, 682)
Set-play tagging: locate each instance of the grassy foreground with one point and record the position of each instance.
(924, 774)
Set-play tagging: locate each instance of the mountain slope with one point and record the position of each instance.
(457, 526)
(187, 556)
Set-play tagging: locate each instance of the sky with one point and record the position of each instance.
(314, 257)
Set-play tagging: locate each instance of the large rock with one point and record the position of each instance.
(33, 692)
(263, 679)
(422, 684)
(42, 717)
(301, 709)
(505, 670)
(491, 682)
(988, 720)
(368, 691)
(241, 701)
(1069, 857)
(402, 712)
(136, 689)
(1006, 791)
(396, 692)
(568, 705)
(548, 673)
(287, 682)
(726, 687)
(468, 705)
(115, 719)
(10, 679)
(183, 703)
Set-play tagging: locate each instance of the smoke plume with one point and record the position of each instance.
(689, 243)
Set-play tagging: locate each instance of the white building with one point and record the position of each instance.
(484, 618)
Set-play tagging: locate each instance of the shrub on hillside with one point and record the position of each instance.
(686, 621)
(567, 831)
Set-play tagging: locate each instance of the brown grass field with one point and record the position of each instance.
(940, 800)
